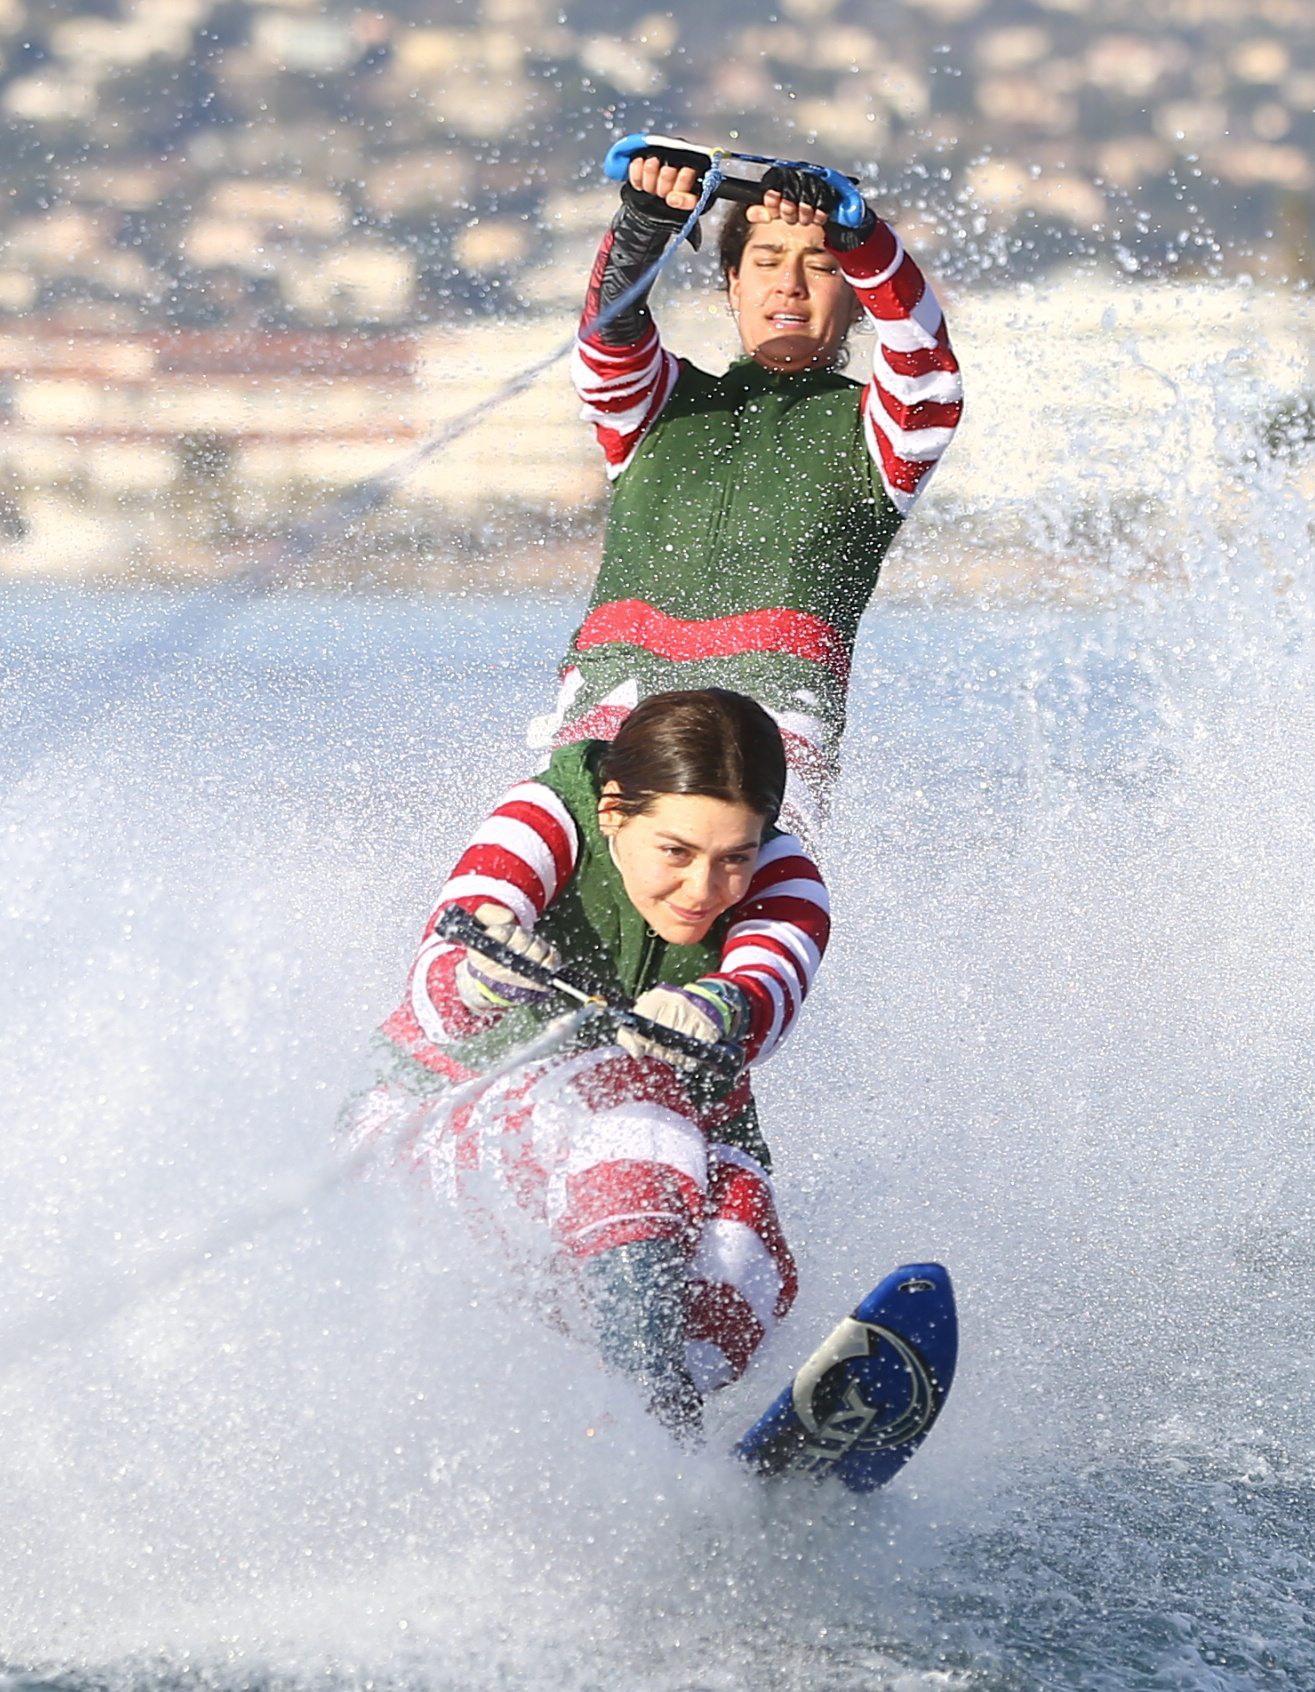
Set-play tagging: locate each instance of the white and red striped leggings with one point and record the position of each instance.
(600, 1149)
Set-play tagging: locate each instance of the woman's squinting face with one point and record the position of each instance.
(791, 302)
(684, 861)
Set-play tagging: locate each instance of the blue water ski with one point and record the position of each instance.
(867, 1397)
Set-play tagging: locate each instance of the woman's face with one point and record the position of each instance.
(684, 861)
(791, 302)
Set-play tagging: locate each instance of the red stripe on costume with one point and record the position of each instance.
(807, 920)
(621, 1079)
(902, 473)
(499, 863)
(619, 444)
(493, 861)
(617, 402)
(810, 918)
(928, 414)
(902, 295)
(875, 255)
(459, 1023)
(763, 1013)
(619, 379)
(752, 921)
(921, 361)
(407, 1034)
(622, 375)
(787, 965)
(736, 1194)
(724, 1318)
(625, 1200)
(634, 622)
(549, 830)
(790, 866)
(616, 362)
(898, 295)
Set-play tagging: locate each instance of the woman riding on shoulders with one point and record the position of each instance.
(750, 512)
(653, 864)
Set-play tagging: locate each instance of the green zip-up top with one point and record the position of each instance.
(743, 544)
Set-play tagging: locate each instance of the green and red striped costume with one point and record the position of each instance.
(751, 512)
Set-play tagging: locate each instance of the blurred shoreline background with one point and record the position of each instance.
(255, 252)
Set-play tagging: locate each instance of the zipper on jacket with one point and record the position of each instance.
(728, 481)
(765, 384)
(652, 940)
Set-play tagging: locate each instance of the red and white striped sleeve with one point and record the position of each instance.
(622, 389)
(521, 857)
(913, 402)
(776, 941)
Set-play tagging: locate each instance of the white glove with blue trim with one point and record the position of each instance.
(484, 986)
(708, 1010)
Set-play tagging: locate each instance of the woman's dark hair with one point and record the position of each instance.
(706, 741)
(732, 239)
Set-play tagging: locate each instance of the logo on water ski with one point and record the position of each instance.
(863, 1402)
(901, 1402)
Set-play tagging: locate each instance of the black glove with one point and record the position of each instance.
(655, 210)
(806, 189)
(641, 230)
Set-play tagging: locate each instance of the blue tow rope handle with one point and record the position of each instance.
(850, 209)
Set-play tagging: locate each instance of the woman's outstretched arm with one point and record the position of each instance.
(520, 858)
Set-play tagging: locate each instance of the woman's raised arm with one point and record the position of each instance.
(621, 371)
(914, 398)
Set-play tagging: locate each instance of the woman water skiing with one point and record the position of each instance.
(651, 863)
(750, 512)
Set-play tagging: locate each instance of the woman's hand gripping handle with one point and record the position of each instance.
(669, 1039)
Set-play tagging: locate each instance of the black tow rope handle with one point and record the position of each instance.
(724, 1057)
